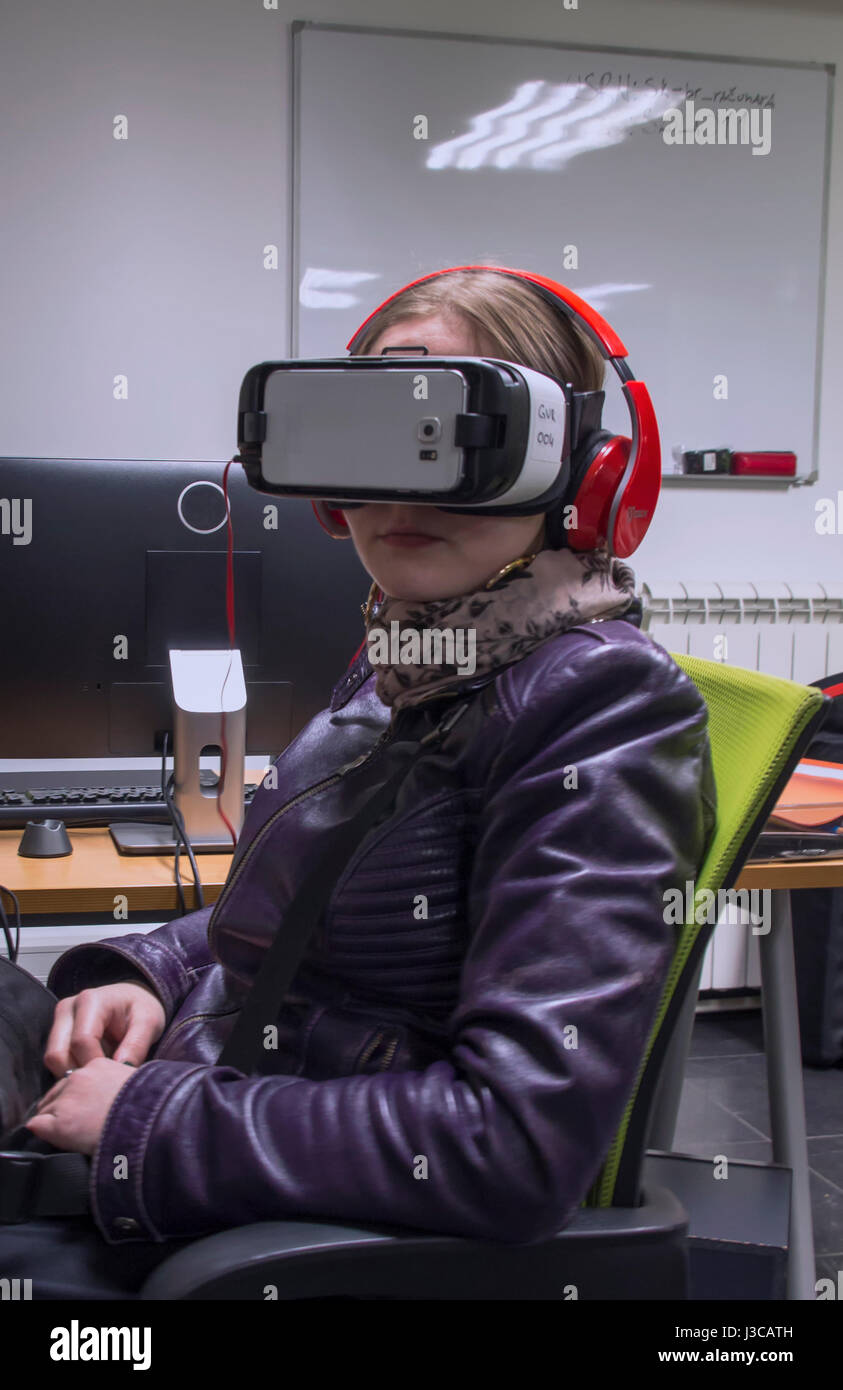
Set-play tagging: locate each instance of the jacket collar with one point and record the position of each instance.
(360, 670)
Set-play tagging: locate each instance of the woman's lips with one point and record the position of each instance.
(408, 540)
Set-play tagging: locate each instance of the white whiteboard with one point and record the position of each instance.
(708, 260)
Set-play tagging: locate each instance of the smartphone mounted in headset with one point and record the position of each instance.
(460, 433)
(471, 432)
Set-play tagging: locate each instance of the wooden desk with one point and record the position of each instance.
(792, 873)
(89, 879)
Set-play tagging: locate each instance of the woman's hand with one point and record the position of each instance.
(122, 1021)
(72, 1113)
(93, 1033)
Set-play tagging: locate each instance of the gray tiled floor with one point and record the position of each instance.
(724, 1110)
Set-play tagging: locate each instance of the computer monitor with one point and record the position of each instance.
(107, 564)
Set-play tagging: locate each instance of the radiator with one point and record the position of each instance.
(789, 630)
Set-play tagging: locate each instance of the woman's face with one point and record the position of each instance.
(418, 552)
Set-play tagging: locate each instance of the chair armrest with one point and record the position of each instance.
(313, 1259)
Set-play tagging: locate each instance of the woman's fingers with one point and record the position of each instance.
(44, 1102)
(118, 1021)
(145, 1021)
(57, 1057)
(78, 1026)
(141, 1033)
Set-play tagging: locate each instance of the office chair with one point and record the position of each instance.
(624, 1241)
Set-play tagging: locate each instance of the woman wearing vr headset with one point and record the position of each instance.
(465, 1030)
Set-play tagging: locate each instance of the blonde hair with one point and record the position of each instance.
(509, 319)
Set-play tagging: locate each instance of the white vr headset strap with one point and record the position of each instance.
(545, 441)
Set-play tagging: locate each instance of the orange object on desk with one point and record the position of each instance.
(811, 798)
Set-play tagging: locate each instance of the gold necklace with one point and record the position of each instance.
(520, 563)
(366, 608)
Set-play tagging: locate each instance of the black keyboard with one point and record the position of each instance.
(73, 797)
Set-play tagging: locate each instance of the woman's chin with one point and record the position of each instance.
(419, 594)
(414, 580)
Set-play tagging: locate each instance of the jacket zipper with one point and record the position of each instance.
(196, 1018)
(276, 815)
(389, 1054)
(386, 1060)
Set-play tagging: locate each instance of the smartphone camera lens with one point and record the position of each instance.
(429, 429)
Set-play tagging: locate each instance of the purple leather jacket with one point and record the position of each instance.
(464, 1032)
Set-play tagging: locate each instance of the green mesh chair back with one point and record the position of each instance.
(759, 727)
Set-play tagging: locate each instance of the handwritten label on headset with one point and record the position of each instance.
(547, 431)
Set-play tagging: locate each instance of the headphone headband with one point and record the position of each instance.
(603, 334)
(624, 473)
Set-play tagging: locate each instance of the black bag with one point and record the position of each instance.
(26, 1016)
(36, 1179)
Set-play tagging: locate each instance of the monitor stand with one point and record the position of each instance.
(203, 685)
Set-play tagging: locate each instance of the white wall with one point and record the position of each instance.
(206, 86)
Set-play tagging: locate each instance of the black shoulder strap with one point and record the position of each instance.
(244, 1048)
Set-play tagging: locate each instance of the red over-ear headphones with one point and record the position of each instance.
(614, 480)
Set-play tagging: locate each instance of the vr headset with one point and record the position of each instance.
(464, 434)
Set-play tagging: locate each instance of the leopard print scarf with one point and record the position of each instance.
(419, 650)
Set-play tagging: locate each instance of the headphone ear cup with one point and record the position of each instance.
(560, 536)
(331, 520)
(596, 472)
